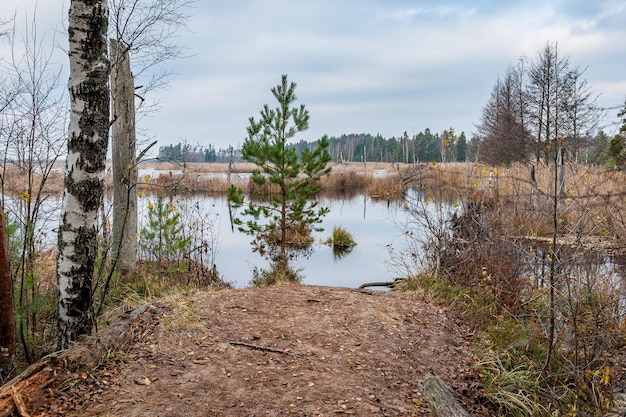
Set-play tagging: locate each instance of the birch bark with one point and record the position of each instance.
(85, 167)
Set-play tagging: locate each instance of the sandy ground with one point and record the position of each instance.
(290, 350)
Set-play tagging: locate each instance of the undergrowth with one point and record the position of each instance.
(508, 349)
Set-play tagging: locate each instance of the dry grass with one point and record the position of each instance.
(212, 177)
(16, 181)
(593, 202)
(375, 177)
(198, 168)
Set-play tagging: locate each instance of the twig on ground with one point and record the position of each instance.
(262, 348)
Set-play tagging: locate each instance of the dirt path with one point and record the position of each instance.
(279, 351)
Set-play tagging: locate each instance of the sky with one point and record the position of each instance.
(361, 66)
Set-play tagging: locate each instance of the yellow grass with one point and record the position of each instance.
(593, 200)
(16, 181)
(211, 177)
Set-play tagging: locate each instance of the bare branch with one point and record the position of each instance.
(146, 28)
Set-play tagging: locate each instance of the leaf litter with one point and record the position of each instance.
(286, 350)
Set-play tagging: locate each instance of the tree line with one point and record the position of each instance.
(425, 146)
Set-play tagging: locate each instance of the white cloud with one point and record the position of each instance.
(369, 65)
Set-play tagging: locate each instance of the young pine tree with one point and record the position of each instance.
(280, 211)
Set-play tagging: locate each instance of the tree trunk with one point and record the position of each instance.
(84, 168)
(7, 312)
(123, 142)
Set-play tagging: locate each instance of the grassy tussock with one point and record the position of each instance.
(341, 238)
(385, 187)
(342, 179)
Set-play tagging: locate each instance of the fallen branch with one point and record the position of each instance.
(440, 399)
(352, 333)
(388, 284)
(27, 390)
(19, 403)
(262, 348)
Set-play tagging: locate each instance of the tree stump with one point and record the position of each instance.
(440, 399)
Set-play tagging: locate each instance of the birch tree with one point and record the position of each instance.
(85, 166)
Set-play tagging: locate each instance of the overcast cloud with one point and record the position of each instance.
(373, 66)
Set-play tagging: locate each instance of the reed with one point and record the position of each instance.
(344, 179)
(15, 181)
(377, 179)
(592, 200)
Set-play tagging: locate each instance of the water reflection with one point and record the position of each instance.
(367, 219)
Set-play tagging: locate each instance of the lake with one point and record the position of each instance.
(374, 224)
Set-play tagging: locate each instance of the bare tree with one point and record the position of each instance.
(146, 29)
(502, 129)
(532, 105)
(7, 306)
(141, 30)
(581, 113)
(546, 91)
(85, 165)
(32, 136)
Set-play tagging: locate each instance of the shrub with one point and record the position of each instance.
(279, 272)
(162, 239)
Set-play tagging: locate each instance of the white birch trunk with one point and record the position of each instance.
(85, 167)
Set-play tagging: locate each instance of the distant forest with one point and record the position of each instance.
(423, 147)
(362, 147)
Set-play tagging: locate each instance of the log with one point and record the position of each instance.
(25, 391)
(378, 284)
(440, 398)
(388, 284)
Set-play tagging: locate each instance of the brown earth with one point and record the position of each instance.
(290, 350)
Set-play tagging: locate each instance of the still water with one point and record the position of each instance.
(373, 224)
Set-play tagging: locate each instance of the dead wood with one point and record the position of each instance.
(262, 348)
(389, 284)
(26, 390)
(440, 398)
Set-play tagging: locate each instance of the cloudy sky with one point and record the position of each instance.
(373, 66)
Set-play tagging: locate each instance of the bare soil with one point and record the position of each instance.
(287, 350)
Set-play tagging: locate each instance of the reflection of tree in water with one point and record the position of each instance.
(340, 252)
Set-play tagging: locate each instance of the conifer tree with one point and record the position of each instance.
(284, 181)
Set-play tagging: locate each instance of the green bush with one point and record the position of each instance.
(163, 240)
